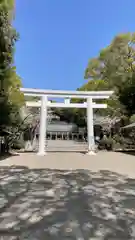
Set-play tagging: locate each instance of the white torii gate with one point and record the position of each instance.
(67, 95)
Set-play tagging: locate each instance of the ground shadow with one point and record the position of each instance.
(55, 204)
(7, 155)
(129, 152)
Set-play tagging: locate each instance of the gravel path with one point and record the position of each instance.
(42, 198)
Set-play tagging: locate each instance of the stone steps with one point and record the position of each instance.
(64, 145)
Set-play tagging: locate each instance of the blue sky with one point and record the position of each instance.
(57, 38)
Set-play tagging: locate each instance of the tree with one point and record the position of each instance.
(132, 118)
(10, 97)
(116, 63)
(114, 69)
(127, 96)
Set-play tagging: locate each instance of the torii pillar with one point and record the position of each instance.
(43, 126)
(90, 127)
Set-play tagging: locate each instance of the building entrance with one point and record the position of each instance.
(66, 136)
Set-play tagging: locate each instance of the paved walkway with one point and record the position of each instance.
(67, 196)
(116, 162)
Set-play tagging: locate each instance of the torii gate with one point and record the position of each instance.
(67, 95)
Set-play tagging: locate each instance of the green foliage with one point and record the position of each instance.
(125, 140)
(10, 97)
(127, 95)
(114, 63)
(114, 69)
(106, 143)
(118, 139)
(7, 4)
(132, 118)
(11, 100)
(18, 144)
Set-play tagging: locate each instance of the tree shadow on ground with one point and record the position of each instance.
(4, 156)
(129, 152)
(56, 204)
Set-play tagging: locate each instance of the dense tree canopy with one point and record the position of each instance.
(10, 97)
(115, 63)
(114, 69)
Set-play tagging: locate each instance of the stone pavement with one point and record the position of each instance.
(112, 161)
(43, 198)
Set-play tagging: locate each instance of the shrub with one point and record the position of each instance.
(106, 143)
(124, 142)
(18, 144)
(109, 144)
(119, 139)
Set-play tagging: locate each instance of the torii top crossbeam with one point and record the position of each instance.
(67, 94)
